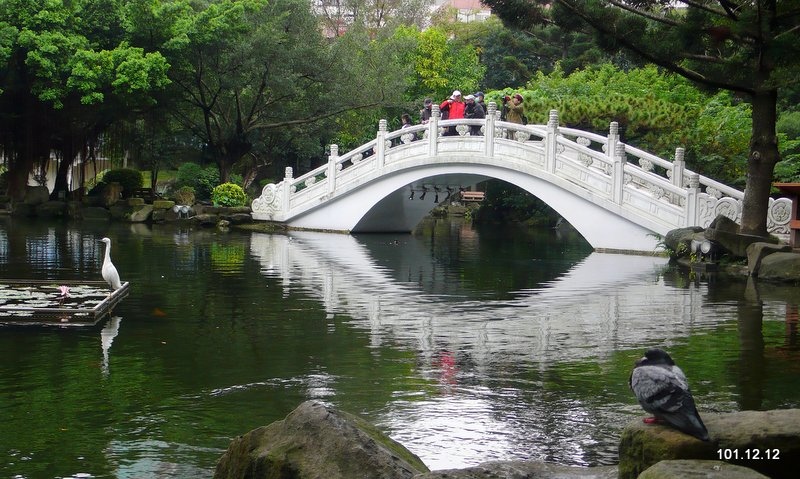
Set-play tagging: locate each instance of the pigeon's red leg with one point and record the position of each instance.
(651, 420)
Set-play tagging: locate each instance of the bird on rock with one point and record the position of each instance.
(663, 391)
(109, 271)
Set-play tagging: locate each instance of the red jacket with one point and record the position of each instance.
(456, 109)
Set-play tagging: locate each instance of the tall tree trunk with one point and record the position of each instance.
(67, 158)
(761, 163)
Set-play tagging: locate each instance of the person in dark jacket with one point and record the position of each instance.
(473, 109)
(426, 112)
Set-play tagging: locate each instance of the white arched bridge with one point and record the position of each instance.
(618, 197)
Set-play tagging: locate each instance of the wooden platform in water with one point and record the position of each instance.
(31, 302)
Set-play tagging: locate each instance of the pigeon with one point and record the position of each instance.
(663, 391)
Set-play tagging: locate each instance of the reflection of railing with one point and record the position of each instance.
(341, 273)
(649, 189)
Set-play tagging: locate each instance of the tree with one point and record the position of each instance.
(439, 65)
(249, 71)
(749, 48)
(337, 16)
(68, 75)
(512, 56)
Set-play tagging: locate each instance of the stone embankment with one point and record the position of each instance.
(760, 257)
(316, 441)
(132, 210)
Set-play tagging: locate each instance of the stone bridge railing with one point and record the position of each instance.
(656, 190)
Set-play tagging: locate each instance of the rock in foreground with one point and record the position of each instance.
(765, 441)
(523, 470)
(685, 469)
(317, 442)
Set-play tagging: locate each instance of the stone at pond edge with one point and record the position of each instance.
(780, 266)
(725, 233)
(52, 209)
(688, 469)
(642, 445)
(678, 240)
(522, 470)
(756, 252)
(317, 442)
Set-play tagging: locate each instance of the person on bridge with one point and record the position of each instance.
(426, 112)
(473, 109)
(516, 110)
(454, 108)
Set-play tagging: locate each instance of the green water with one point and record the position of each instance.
(465, 344)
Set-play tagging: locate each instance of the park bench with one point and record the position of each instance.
(472, 195)
(147, 194)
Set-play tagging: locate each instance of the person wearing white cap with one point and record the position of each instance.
(473, 109)
(454, 108)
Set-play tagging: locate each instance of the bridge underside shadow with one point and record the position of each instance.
(387, 205)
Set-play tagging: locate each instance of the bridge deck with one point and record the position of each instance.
(613, 193)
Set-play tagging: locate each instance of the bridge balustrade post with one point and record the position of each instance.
(618, 173)
(551, 142)
(692, 192)
(488, 134)
(613, 139)
(380, 145)
(287, 188)
(433, 131)
(331, 174)
(678, 167)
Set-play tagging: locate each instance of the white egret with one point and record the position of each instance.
(109, 272)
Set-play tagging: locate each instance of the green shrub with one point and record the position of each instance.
(128, 178)
(184, 195)
(202, 180)
(229, 194)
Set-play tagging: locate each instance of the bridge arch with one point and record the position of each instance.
(616, 196)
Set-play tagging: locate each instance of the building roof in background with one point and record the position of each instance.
(466, 4)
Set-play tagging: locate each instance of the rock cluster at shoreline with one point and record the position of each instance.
(733, 253)
(316, 441)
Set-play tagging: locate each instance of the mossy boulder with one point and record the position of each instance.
(756, 253)
(782, 266)
(678, 241)
(52, 209)
(687, 469)
(765, 441)
(163, 204)
(316, 441)
(523, 470)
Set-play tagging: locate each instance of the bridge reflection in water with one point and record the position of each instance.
(341, 272)
(496, 361)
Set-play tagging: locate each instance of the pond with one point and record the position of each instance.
(465, 343)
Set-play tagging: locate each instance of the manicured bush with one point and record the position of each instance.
(128, 178)
(184, 196)
(229, 194)
(201, 179)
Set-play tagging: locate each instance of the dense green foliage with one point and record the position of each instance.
(128, 178)
(201, 179)
(228, 194)
(656, 112)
